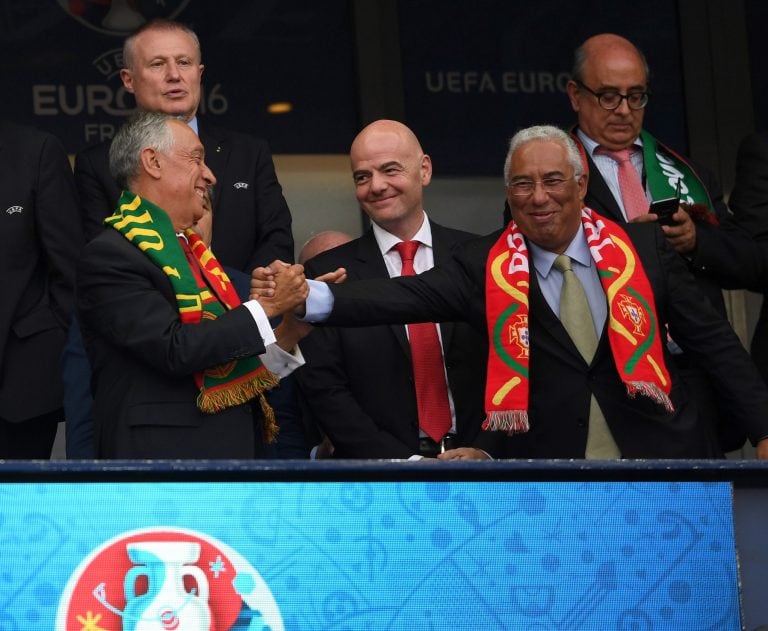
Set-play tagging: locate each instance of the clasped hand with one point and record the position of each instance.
(279, 288)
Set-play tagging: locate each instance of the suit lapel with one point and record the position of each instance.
(216, 155)
(371, 265)
(441, 251)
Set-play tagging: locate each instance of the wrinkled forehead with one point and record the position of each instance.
(166, 42)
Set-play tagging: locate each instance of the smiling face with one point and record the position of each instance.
(390, 171)
(184, 178)
(165, 72)
(550, 220)
(611, 64)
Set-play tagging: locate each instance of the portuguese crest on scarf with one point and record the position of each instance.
(633, 328)
(236, 382)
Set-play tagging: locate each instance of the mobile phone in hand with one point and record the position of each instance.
(664, 209)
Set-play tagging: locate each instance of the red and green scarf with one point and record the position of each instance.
(633, 330)
(148, 228)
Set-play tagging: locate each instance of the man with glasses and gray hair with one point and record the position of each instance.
(629, 169)
(576, 309)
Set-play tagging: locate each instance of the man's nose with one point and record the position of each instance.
(172, 71)
(623, 107)
(540, 196)
(378, 182)
(208, 175)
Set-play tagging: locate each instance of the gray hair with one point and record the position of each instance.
(580, 59)
(141, 130)
(546, 133)
(158, 24)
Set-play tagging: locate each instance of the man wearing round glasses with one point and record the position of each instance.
(628, 169)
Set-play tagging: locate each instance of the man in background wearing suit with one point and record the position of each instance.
(163, 70)
(177, 360)
(749, 203)
(546, 397)
(40, 242)
(609, 90)
(359, 383)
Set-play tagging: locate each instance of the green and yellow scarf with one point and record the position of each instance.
(148, 228)
(633, 330)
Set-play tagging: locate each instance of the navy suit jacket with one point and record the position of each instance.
(144, 358)
(358, 382)
(40, 242)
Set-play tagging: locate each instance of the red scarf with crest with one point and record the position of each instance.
(633, 329)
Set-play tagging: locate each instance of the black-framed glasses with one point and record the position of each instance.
(525, 188)
(611, 99)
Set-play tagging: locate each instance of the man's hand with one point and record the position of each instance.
(761, 449)
(463, 453)
(289, 289)
(290, 331)
(263, 279)
(682, 234)
(335, 277)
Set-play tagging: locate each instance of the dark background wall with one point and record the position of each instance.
(464, 75)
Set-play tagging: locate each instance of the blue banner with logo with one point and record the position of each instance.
(280, 70)
(370, 555)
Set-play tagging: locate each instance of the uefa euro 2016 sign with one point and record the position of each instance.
(167, 579)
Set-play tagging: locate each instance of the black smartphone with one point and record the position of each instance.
(665, 208)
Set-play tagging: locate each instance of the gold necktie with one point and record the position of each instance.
(576, 318)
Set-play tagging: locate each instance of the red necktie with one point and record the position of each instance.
(193, 263)
(427, 357)
(632, 191)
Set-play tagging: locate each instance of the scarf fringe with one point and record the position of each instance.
(510, 421)
(211, 401)
(652, 391)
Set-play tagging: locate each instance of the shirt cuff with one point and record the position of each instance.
(280, 361)
(319, 303)
(261, 320)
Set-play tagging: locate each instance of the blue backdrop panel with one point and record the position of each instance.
(369, 555)
(476, 72)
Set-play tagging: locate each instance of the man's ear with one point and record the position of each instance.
(150, 162)
(127, 78)
(573, 94)
(582, 183)
(426, 170)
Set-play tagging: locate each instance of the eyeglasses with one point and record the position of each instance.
(525, 188)
(611, 99)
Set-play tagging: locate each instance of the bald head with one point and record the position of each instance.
(321, 242)
(606, 47)
(375, 133)
(390, 170)
(608, 63)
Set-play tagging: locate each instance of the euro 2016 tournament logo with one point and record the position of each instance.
(166, 579)
(120, 17)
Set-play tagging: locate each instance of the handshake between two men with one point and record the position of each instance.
(281, 288)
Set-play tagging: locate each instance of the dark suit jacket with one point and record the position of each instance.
(749, 203)
(251, 221)
(143, 360)
(561, 382)
(40, 240)
(358, 382)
